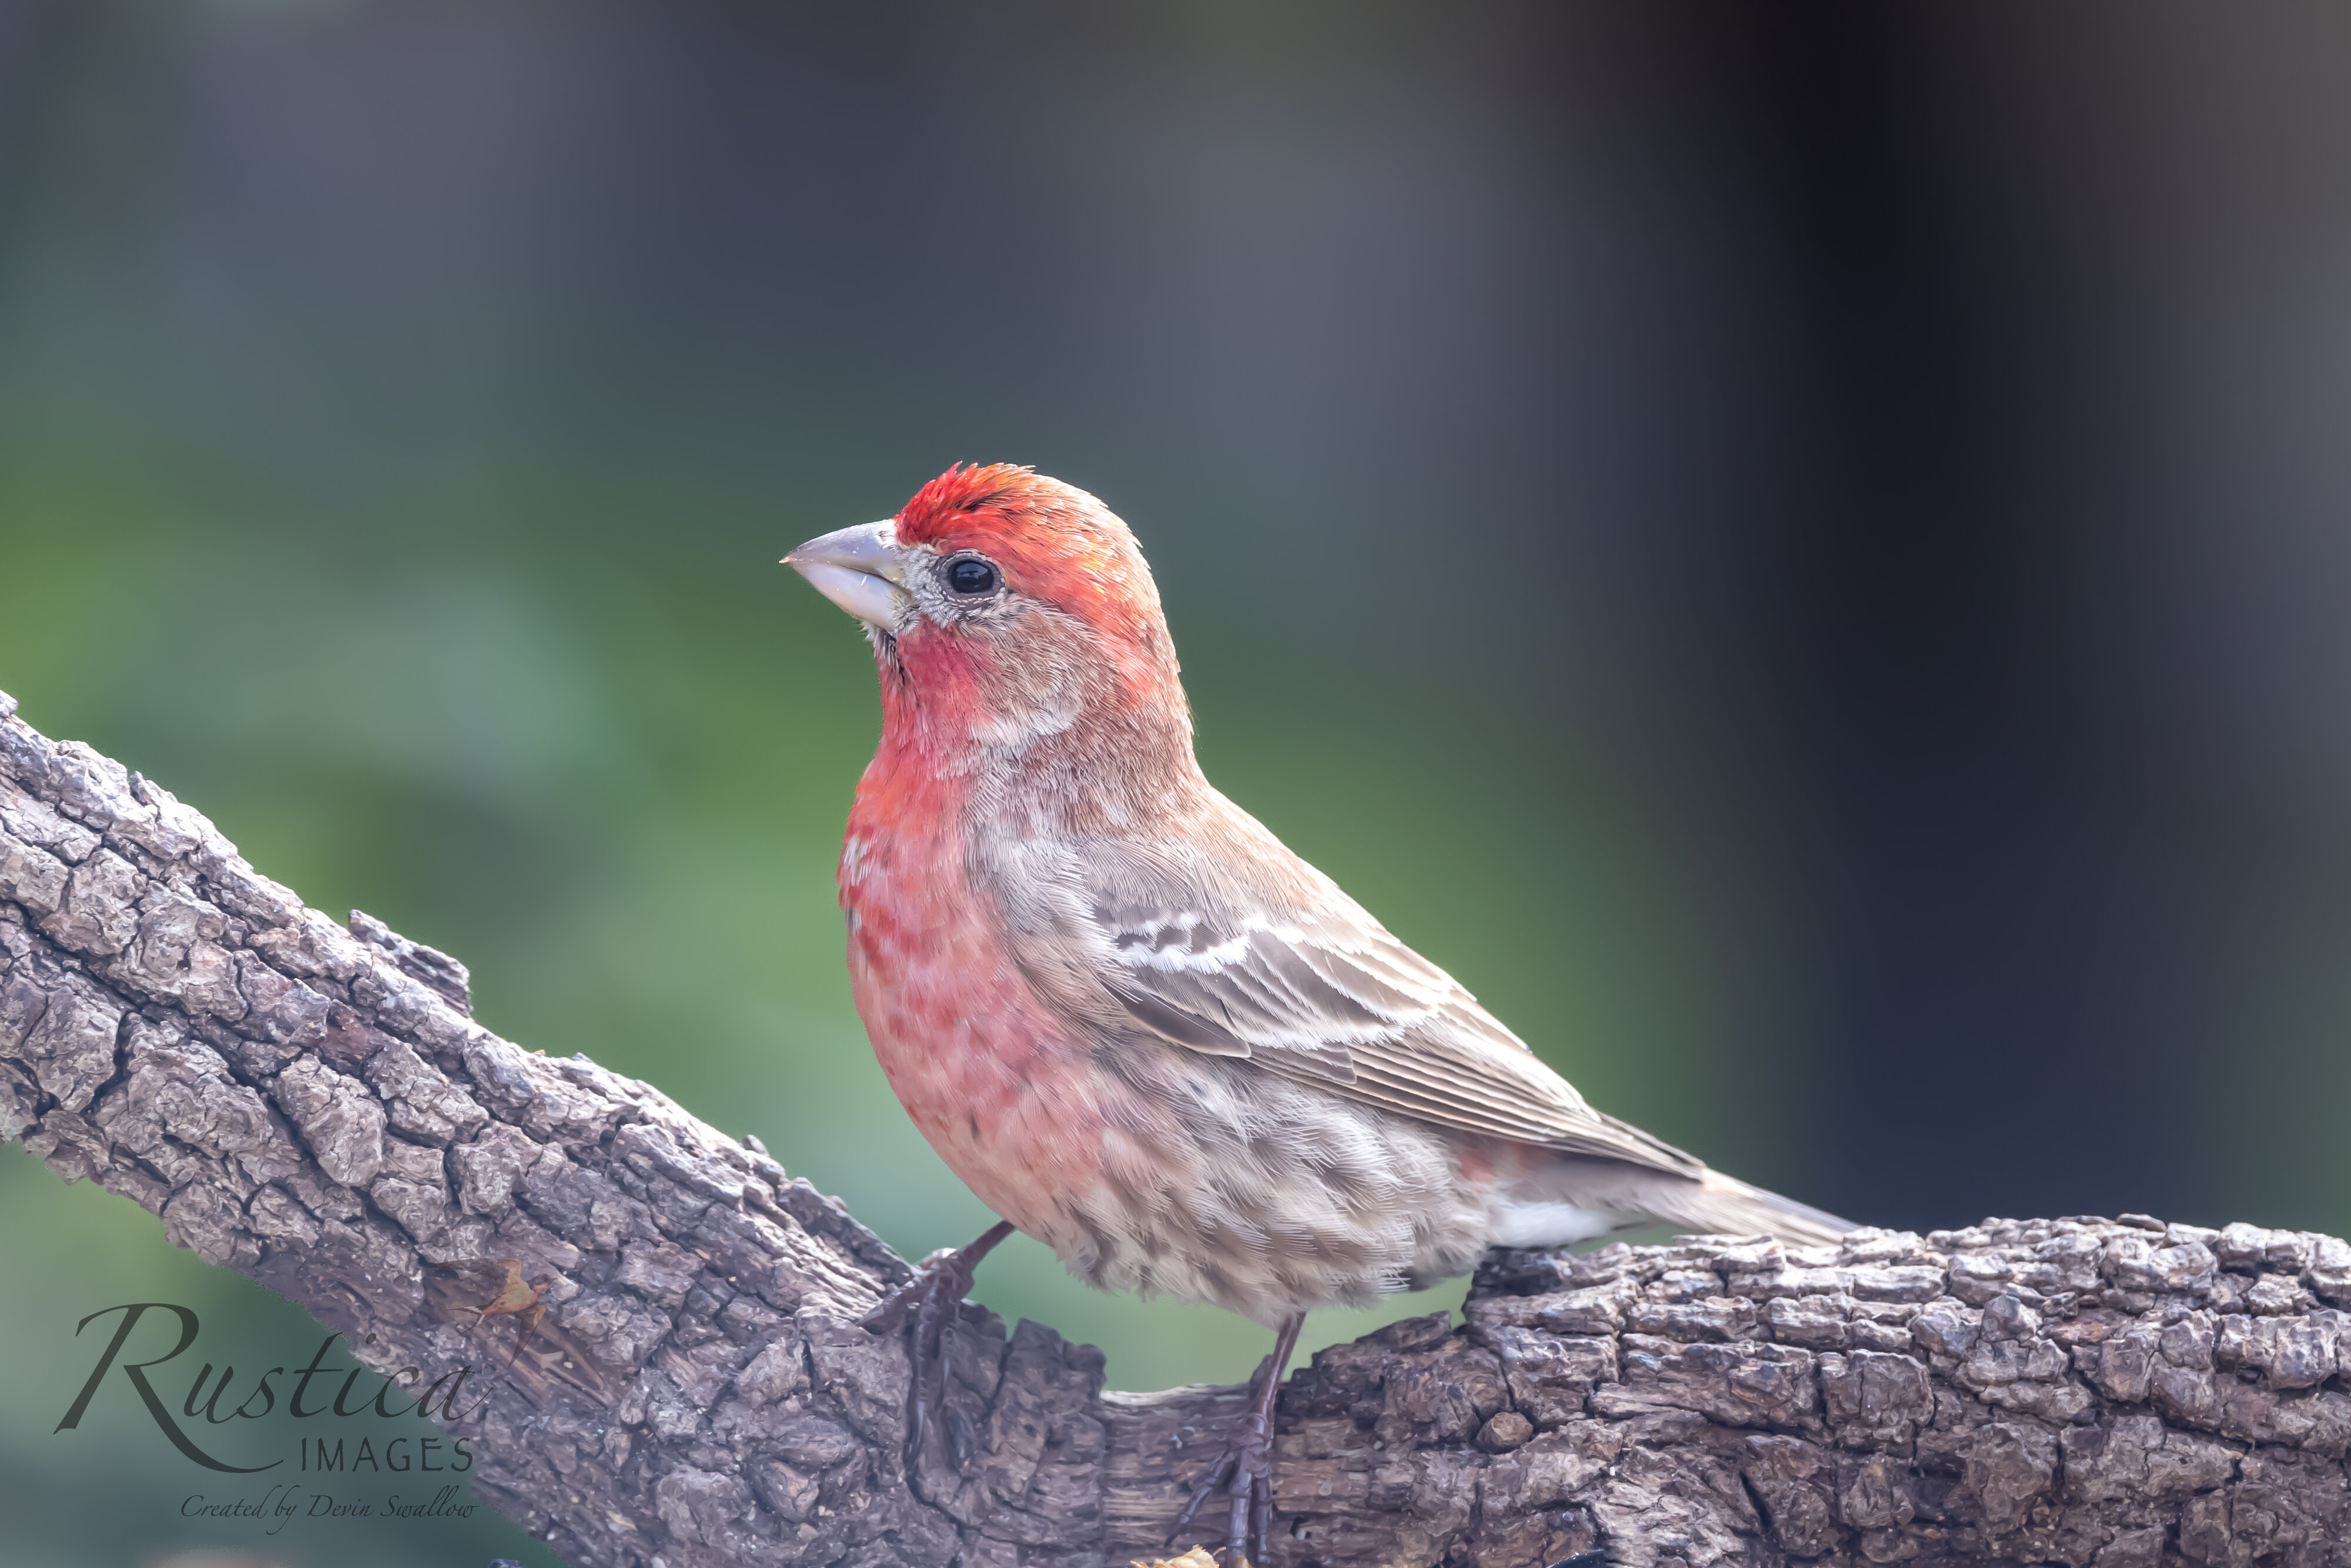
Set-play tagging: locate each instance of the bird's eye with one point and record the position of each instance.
(971, 575)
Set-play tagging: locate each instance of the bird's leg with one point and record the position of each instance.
(1244, 1471)
(930, 1301)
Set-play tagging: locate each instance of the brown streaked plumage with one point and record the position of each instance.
(1132, 1021)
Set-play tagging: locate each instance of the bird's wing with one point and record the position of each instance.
(1223, 941)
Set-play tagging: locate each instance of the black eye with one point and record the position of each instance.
(970, 575)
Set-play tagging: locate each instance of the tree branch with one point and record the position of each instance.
(310, 1103)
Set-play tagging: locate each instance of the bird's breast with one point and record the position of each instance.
(1145, 1165)
(994, 1082)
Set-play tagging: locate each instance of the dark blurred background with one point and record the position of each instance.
(1804, 552)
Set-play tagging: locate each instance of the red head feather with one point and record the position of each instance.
(1059, 705)
(1053, 542)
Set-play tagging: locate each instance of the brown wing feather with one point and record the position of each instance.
(1249, 951)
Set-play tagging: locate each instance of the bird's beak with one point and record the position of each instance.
(861, 570)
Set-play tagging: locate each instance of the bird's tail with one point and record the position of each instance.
(1721, 1205)
(1560, 1198)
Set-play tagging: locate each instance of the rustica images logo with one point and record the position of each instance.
(374, 1450)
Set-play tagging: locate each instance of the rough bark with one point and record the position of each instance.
(310, 1103)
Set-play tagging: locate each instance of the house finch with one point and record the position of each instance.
(1140, 1029)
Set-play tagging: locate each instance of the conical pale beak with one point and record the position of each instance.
(861, 570)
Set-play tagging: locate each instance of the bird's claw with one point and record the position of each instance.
(889, 1314)
(1243, 1473)
(928, 1303)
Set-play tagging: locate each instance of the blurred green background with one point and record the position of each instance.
(1799, 554)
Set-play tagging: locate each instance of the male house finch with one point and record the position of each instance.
(1139, 1028)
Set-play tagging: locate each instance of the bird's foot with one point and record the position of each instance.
(1241, 1480)
(925, 1305)
(1241, 1483)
